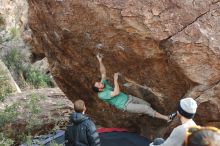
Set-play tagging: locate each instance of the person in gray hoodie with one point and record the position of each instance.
(186, 110)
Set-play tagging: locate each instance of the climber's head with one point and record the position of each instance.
(98, 86)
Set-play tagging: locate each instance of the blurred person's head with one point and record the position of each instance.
(79, 106)
(202, 136)
(187, 108)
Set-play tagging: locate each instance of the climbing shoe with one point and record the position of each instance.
(171, 117)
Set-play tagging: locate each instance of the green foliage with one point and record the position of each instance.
(25, 73)
(13, 32)
(37, 78)
(32, 106)
(15, 61)
(8, 115)
(33, 112)
(4, 141)
(53, 143)
(28, 140)
(2, 21)
(5, 87)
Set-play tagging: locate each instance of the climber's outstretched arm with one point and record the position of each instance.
(102, 67)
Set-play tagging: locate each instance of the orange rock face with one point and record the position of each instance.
(171, 47)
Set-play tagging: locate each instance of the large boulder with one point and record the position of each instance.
(171, 47)
(208, 98)
(196, 49)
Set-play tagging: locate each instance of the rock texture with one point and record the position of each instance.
(43, 66)
(43, 107)
(196, 49)
(13, 26)
(8, 85)
(170, 46)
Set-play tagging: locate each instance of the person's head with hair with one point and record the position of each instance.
(187, 108)
(202, 136)
(79, 106)
(98, 86)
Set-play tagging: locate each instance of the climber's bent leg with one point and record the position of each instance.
(139, 109)
(143, 109)
(138, 100)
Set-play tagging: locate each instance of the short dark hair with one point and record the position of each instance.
(206, 136)
(79, 106)
(95, 89)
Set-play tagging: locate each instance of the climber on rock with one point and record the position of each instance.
(120, 100)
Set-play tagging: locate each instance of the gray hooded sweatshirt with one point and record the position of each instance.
(178, 135)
